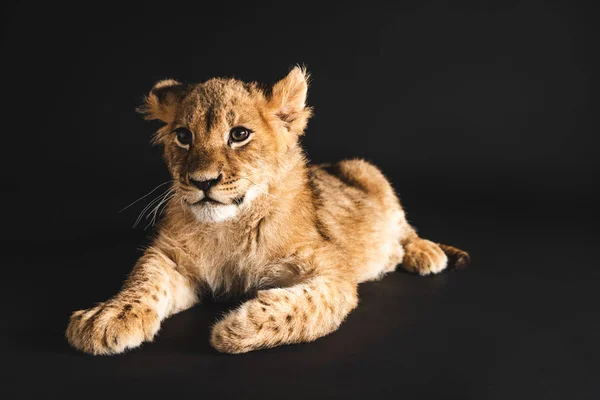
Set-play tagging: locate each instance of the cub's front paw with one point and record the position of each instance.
(112, 327)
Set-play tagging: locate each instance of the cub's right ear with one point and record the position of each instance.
(163, 100)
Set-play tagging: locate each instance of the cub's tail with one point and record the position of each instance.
(457, 258)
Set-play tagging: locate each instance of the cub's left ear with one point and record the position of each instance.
(163, 100)
(288, 100)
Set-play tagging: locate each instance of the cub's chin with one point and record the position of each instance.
(214, 212)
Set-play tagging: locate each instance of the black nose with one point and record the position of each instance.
(207, 184)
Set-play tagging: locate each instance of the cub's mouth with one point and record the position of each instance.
(207, 200)
(210, 201)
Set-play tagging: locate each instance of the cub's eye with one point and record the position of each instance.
(239, 134)
(183, 137)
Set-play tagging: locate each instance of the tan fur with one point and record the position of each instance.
(301, 238)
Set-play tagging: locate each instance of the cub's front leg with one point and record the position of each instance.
(153, 291)
(301, 313)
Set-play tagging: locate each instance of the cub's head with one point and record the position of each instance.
(226, 140)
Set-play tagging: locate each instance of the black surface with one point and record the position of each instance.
(520, 323)
(482, 115)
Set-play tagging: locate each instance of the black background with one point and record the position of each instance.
(482, 115)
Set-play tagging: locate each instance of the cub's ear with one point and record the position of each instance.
(288, 100)
(162, 101)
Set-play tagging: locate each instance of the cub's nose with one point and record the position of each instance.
(206, 184)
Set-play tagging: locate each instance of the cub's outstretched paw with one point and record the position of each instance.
(424, 257)
(112, 327)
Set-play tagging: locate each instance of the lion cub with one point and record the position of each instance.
(248, 215)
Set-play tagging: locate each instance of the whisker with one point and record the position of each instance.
(152, 216)
(166, 197)
(146, 195)
(150, 205)
(155, 210)
(161, 208)
(165, 207)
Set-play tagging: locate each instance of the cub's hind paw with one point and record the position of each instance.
(424, 257)
(226, 339)
(237, 333)
(111, 328)
(263, 322)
